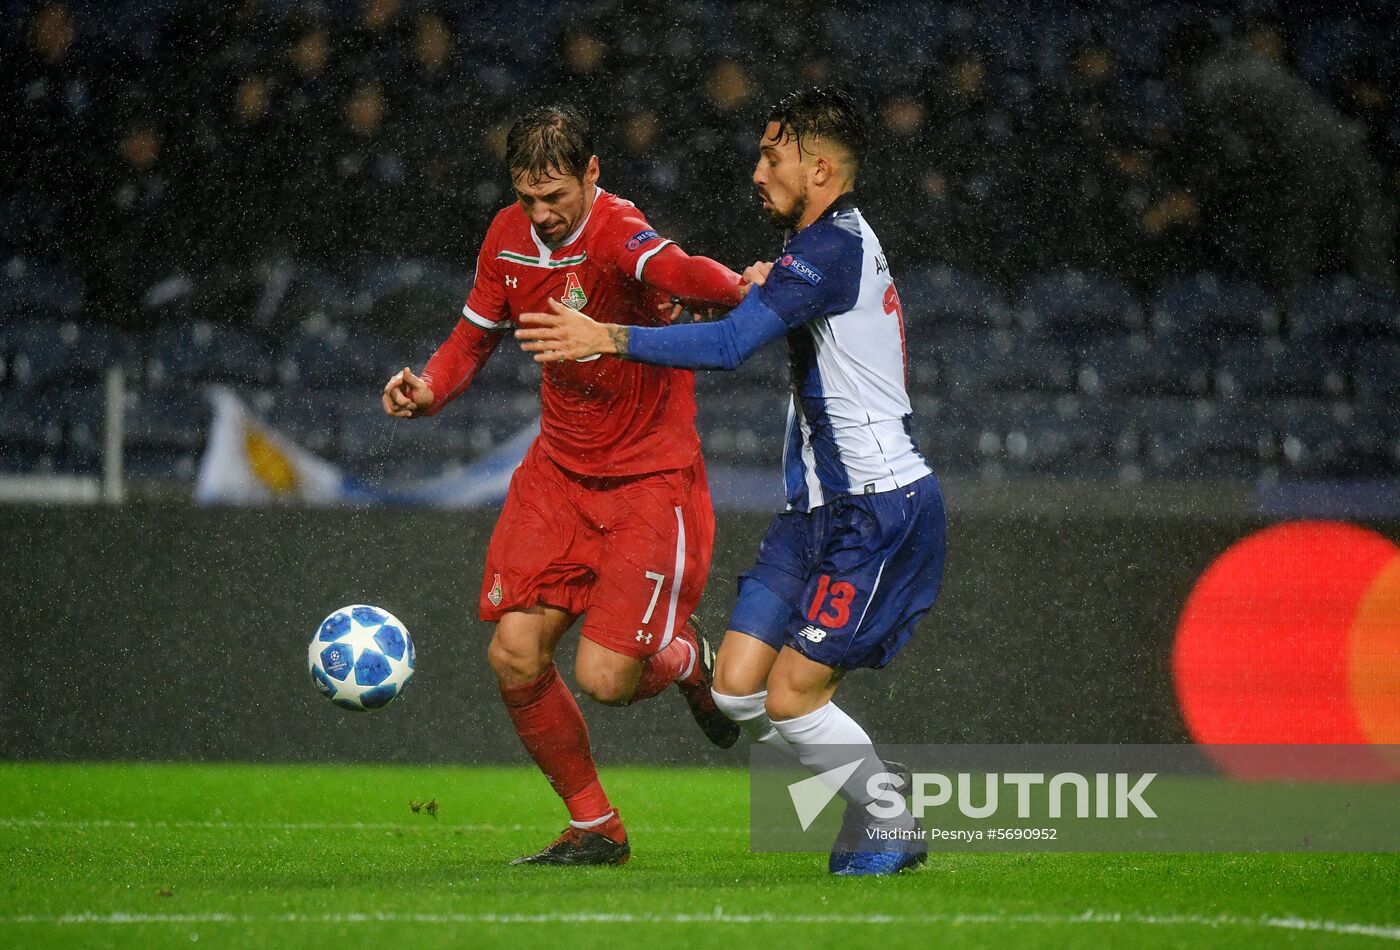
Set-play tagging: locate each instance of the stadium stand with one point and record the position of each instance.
(1376, 375)
(1207, 307)
(192, 353)
(1270, 369)
(1098, 279)
(165, 431)
(1343, 310)
(31, 433)
(1124, 367)
(1072, 304)
(742, 429)
(44, 353)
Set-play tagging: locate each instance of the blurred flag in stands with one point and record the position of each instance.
(249, 463)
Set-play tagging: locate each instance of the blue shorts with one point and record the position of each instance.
(846, 583)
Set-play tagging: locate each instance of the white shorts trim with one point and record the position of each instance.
(670, 630)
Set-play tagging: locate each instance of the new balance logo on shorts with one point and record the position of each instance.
(815, 634)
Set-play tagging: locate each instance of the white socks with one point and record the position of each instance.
(585, 825)
(828, 739)
(822, 740)
(749, 713)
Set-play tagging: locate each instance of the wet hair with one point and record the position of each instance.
(549, 141)
(826, 112)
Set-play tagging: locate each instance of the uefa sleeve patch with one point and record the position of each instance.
(640, 238)
(801, 268)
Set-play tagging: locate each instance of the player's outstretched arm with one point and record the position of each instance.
(694, 279)
(407, 395)
(566, 334)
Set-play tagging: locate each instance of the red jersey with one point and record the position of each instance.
(602, 415)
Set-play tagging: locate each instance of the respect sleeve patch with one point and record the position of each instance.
(801, 268)
(640, 238)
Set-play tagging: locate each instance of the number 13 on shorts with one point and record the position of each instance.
(831, 603)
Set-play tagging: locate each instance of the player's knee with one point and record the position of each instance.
(516, 663)
(743, 661)
(783, 704)
(734, 679)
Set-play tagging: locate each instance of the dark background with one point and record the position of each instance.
(1144, 141)
(175, 633)
(1132, 241)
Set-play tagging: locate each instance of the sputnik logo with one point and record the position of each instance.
(810, 796)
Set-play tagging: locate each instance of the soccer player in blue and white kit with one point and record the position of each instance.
(846, 571)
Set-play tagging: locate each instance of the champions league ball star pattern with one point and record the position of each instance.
(361, 657)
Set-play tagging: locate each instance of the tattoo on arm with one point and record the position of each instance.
(619, 336)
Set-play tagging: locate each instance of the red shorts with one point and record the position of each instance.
(631, 553)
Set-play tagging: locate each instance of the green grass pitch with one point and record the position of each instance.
(287, 856)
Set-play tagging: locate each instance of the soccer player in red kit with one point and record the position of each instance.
(609, 514)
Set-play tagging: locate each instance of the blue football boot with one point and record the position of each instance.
(852, 834)
(899, 856)
(848, 839)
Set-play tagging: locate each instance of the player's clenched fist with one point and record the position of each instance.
(755, 274)
(407, 395)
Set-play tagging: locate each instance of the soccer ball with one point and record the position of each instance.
(361, 657)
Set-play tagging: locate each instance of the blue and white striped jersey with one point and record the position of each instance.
(849, 418)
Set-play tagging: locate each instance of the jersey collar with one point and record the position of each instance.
(845, 202)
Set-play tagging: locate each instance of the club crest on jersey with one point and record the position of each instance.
(495, 595)
(573, 292)
(801, 268)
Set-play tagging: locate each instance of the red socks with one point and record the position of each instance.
(552, 729)
(678, 661)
